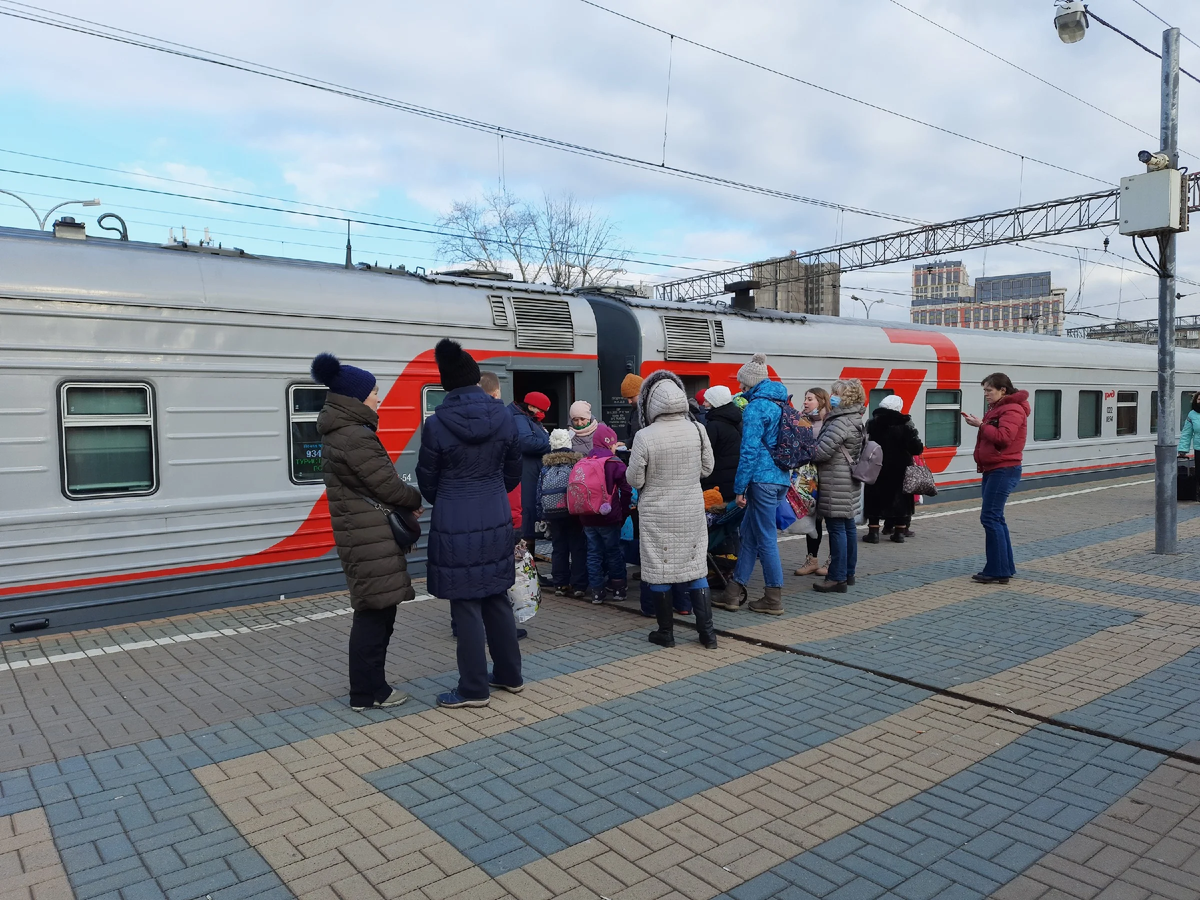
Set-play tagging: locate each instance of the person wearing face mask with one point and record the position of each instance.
(583, 426)
(816, 408)
(534, 441)
(359, 474)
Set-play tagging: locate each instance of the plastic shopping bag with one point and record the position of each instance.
(785, 518)
(805, 525)
(526, 591)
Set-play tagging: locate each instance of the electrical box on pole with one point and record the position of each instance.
(1153, 203)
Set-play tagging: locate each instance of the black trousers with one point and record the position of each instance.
(814, 543)
(491, 620)
(369, 636)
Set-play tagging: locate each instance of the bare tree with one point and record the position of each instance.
(577, 244)
(562, 240)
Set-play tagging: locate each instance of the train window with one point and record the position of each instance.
(1089, 413)
(1127, 407)
(304, 441)
(942, 419)
(1185, 406)
(876, 397)
(1047, 415)
(108, 445)
(431, 398)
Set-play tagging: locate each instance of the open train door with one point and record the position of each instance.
(619, 352)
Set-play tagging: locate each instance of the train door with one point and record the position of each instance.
(619, 352)
(558, 386)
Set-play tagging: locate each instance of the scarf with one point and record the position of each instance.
(581, 438)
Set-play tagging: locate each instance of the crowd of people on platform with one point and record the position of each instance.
(493, 473)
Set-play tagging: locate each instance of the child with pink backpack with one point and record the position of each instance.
(600, 496)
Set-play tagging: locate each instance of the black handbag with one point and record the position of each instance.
(406, 528)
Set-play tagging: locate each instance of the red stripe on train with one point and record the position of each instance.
(399, 419)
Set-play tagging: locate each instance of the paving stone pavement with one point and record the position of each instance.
(921, 736)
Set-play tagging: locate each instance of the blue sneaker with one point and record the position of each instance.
(452, 700)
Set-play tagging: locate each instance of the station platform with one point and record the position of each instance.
(921, 736)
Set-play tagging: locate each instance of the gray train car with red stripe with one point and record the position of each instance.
(157, 443)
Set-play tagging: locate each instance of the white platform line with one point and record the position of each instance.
(126, 646)
(968, 509)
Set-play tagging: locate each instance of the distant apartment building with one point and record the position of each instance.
(940, 282)
(792, 286)
(1027, 303)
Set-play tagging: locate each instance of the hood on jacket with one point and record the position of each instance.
(1020, 398)
(889, 417)
(561, 458)
(340, 410)
(728, 413)
(471, 415)
(664, 397)
(768, 390)
(662, 394)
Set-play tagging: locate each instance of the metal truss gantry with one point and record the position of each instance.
(1082, 213)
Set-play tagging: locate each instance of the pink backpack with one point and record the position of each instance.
(587, 490)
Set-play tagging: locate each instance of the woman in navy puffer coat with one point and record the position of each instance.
(469, 461)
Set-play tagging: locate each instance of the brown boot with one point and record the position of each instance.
(771, 602)
(811, 564)
(733, 597)
(824, 570)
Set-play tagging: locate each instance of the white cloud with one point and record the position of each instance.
(566, 70)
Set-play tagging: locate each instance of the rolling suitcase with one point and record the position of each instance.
(1186, 482)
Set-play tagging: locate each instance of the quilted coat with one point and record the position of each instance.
(1001, 439)
(724, 427)
(355, 463)
(670, 455)
(837, 493)
(534, 441)
(760, 430)
(896, 434)
(470, 459)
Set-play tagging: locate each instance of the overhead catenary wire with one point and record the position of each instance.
(1024, 71)
(1164, 21)
(40, 16)
(844, 96)
(316, 215)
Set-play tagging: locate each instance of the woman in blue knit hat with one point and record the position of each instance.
(359, 478)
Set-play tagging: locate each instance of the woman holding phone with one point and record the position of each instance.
(998, 449)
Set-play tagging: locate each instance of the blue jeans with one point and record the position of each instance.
(605, 559)
(997, 485)
(759, 538)
(843, 548)
(679, 598)
(568, 559)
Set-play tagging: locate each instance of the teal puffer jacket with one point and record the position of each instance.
(760, 430)
(1190, 435)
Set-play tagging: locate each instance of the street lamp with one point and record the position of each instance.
(42, 219)
(1071, 21)
(867, 304)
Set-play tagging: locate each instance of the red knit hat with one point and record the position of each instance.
(700, 395)
(538, 400)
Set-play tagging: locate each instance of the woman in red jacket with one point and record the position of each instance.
(998, 449)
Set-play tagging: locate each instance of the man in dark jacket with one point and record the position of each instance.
(469, 461)
(534, 442)
(897, 436)
(724, 427)
(359, 477)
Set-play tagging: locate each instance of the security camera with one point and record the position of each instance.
(1154, 161)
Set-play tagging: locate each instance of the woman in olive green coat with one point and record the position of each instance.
(357, 467)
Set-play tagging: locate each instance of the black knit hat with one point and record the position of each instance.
(342, 379)
(455, 365)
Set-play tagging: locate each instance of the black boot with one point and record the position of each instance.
(872, 535)
(664, 636)
(702, 607)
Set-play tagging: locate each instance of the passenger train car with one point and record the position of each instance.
(158, 448)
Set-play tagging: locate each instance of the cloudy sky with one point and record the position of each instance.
(78, 107)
